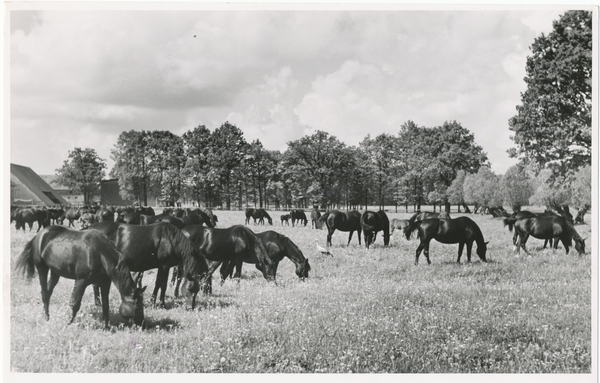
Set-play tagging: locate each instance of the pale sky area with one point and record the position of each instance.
(79, 78)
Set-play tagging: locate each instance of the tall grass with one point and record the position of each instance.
(365, 311)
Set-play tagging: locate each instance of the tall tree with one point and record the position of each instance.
(228, 148)
(517, 187)
(483, 189)
(167, 160)
(82, 173)
(132, 165)
(200, 180)
(553, 124)
(382, 162)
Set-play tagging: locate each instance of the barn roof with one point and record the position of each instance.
(44, 192)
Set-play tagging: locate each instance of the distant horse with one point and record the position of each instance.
(71, 215)
(298, 215)
(258, 214)
(547, 227)
(146, 210)
(342, 221)
(371, 223)
(315, 214)
(105, 215)
(285, 218)
(399, 224)
(23, 216)
(179, 223)
(87, 257)
(231, 244)
(87, 219)
(199, 217)
(510, 221)
(278, 246)
(322, 221)
(158, 246)
(461, 230)
(206, 212)
(55, 214)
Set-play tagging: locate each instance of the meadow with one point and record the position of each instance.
(360, 311)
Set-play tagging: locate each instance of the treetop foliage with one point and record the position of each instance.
(553, 125)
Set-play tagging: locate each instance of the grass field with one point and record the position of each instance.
(361, 311)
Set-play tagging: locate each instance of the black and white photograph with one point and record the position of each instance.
(285, 188)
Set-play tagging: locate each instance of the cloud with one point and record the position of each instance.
(83, 77)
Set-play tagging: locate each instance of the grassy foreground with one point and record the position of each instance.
(361, 311)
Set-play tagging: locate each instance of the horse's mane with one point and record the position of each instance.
(123, 275)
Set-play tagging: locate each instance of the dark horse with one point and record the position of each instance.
(278, 246)
(299, 216)
(231, 244)
(259, 214)
(87, 257)
(547, 227)
(371, 223)
(341, 221)
(23, 216)
(158, 246)
(510, 221)
(461, 230)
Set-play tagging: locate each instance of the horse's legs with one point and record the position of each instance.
(419, 249)
(566, 244)
(104, 288)
(329, 234)
(76, 296)
(238, 268)
(461, 246)
(162, 279)
(43, 275)
(469, 248)
(97, 300)
(524, 237)
(350, 237)
(426, 252)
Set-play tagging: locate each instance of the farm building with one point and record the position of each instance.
(72, 198)
(109, 194)
(28, 188)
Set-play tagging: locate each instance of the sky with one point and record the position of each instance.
(78, 78)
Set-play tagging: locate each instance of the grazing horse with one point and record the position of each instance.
(548, 227)
(510, 221)
(87, 257)
(278, 246)
(298, 215)
(259, 214)
(232, 244)
(342, 221)
(159, 246)
(285, 218)
(315, 214)
(371, 223)
(399, 224)
(199, 217)
(461, 230)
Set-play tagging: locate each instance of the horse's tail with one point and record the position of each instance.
(510, 222)
(24, 263)
(412, 226)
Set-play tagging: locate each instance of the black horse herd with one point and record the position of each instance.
(117, 245)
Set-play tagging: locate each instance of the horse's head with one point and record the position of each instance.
(481, 250)
(302, 269)
(132, 308)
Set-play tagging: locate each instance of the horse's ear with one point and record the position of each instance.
(487, 243)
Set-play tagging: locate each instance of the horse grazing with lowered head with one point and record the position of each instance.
(299, 216)
(285, 218)
(278, 246)
(510, 221)
(547, 227)
(158, 246)
(258, 214)
(231, 244)
(87, 257)
(342, 221)
(371, 223)
(461, 230)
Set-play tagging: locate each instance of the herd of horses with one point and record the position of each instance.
(117, 245)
